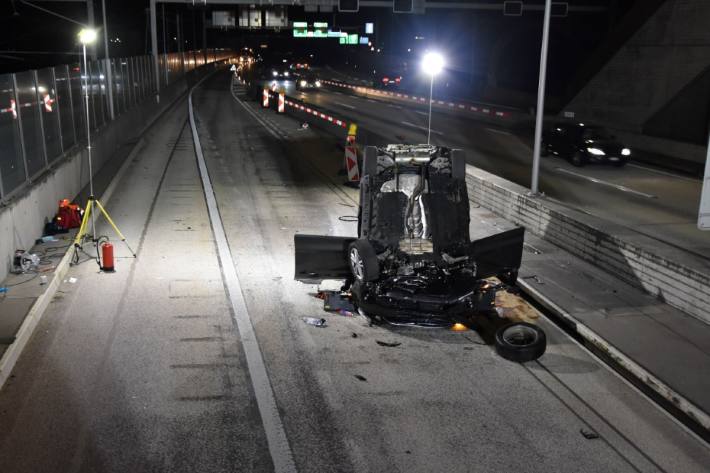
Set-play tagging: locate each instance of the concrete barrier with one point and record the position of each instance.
(654, 268)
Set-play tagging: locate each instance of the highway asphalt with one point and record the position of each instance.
(144, 370)
(654, 202)
(441, 401)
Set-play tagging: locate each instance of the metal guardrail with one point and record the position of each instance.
(42, 112)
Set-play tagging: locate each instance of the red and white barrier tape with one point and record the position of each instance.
(316, 113)
(461, 106)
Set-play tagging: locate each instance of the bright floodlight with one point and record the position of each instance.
(87, 36)
(432, 63)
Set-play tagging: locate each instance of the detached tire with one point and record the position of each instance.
(363, 261)
(520, 342)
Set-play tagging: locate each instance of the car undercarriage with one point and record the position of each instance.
(413, 261)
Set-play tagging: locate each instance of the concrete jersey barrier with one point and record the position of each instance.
(592, 240)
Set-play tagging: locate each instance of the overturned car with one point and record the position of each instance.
(413, 261)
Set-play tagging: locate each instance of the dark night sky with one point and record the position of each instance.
(471, 40)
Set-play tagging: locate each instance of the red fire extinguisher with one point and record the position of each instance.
(107, 257)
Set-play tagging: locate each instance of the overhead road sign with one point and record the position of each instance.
(348, 6)
(403, 6)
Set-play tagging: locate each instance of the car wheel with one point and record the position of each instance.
(363, 261)
(577, 159)
(520, 342)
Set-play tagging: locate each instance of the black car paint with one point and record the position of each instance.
(567, 139)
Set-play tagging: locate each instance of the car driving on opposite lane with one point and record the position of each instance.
(308, 81)
(580, 144)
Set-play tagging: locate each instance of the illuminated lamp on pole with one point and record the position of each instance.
(432, 64)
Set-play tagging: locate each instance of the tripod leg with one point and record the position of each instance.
(115, 228)
(78, 239)
(82, 228)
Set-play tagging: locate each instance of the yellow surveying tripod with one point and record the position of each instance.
(84, 230)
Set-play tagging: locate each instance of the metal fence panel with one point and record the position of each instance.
(140, 67)
(43, 113)
(12, 166)
(96, 93)
(77, 97)
(66, 117)
(135, 75)
(28, 114)
(48, 109)
(118, 101)
(127, 83)
(103, 91)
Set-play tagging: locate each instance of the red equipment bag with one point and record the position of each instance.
(68, 215)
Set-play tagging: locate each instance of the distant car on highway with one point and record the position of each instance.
(308, 81)
(390, 81)
(581, 143)
(280, 72)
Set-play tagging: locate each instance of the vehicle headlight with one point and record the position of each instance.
(274, 73)
(286, 74)
(626, 152)
(303, 83)
(596, 151)
(317, 83)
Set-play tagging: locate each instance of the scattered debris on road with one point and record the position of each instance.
(387, 344)
(535, 278)
(316, 322)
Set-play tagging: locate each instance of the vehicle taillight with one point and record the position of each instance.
(385, 79)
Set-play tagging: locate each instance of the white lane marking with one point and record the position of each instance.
(370, 100)
(664, 173)
(606, 183)
(426, 114)
(273, 132)
(344, 105)
(394, 106)
(422, 128)
(276, 438)
(500, 132)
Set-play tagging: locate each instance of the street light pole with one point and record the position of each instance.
(431, 99)
(534, 186)
(88, 36)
